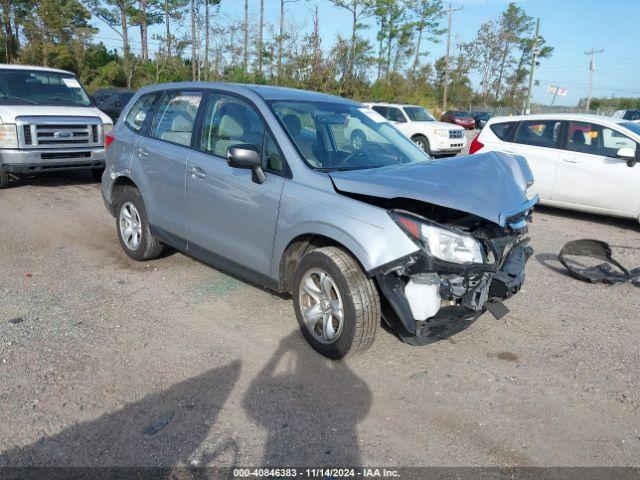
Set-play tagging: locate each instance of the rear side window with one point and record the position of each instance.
(381, 110)
(176, 116)
(502, 130)
(395, 115)
(538, 133)
(632, 115)
(139, 112)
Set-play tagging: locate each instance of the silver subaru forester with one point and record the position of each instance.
(264, 182)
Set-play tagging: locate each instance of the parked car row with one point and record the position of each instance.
(337, 203)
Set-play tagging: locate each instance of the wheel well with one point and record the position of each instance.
(120, 184)
(419, 135)
(296, 250)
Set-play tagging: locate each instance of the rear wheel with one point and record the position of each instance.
(422, 142)
(336, 305)
(4, 179)
(133, 227)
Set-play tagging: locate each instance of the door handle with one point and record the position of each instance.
(197, 172)
(571, 160)
(143, 152)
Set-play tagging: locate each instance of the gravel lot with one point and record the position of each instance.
(105, 361)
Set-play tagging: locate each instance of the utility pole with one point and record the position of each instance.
(532, 73)
(449, 11)
(592, 69)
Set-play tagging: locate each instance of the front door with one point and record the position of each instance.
(231, 218)
(590, 175)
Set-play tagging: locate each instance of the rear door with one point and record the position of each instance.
(590, 175)
(163, 156)
(231, 218)
(537, 141)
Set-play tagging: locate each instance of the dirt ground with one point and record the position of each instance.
(105, 361)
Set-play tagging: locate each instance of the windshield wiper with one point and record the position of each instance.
(13, 97)
(346, 169)
(65, 100)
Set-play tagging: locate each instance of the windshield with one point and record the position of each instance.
(419, 114)
(461, 114)
(24, 87)
(634, 127)
(344, 137)
(632, 115)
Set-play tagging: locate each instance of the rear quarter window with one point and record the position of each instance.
(139, 112)
(503, 130)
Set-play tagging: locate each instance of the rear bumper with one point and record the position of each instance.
(31, 161)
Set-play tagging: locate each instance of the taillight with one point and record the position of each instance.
(108, 139)
(475, 145)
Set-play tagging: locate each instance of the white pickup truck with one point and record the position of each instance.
(48, 122)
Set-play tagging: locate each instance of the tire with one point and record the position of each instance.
(423, 143)
(96, 173)
(147, 246)
(4, 179)
(350, 286)
(358, 139)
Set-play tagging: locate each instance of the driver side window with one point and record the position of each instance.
(595, 139)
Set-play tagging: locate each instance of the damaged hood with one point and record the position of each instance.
(490, 185)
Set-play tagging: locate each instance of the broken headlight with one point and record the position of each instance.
(440, 242)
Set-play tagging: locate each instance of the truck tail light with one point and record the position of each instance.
(108, 139)
(476, 145)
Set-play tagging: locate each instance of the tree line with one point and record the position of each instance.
(199, 40)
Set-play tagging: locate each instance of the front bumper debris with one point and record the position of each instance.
(465, 292)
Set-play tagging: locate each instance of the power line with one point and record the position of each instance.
(592, 69)
(534, 59)
(449, 11)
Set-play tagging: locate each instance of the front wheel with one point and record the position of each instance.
(422, 142)
(336, 304)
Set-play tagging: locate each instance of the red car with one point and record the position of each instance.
(463, 119)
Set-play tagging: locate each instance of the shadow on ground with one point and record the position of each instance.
(623, 223)
(161, 430)
(310, 407)
(53, 179)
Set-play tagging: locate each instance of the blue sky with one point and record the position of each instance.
(571, 26)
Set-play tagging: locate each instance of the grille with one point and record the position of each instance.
(53, 132)
(57, 156)
(456, 134)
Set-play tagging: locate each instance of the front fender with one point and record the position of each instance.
(367, 231)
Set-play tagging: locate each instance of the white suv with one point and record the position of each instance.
(438, 139)
(48, 122)
(580, 162)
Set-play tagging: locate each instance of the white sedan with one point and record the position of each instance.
(581, 162)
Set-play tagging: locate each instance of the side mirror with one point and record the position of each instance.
(246, 156)
(626, 153)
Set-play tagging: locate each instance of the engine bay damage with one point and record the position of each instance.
(427, 298)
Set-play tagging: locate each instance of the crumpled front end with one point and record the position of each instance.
(428, 298)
